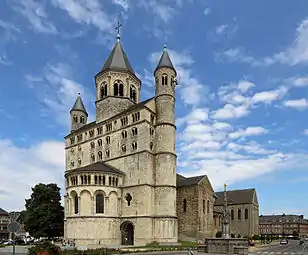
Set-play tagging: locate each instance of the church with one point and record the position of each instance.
(120, 178)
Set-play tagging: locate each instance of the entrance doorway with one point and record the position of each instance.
(127, 231)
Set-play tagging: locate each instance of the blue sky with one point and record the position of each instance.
(241, 101)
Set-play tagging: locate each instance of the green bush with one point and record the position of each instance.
(46, 246)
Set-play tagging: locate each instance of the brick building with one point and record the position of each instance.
(283, 225)
(4, 221)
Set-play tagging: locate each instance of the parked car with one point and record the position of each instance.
(284, 241)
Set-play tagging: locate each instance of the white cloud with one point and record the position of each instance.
(296, 53)
(35, 164)
(36, 15)
(305, 132)
(269, 96)
(123, 3)
(298, 104)
(58, 78)
(230, 111)
(250, 131)
(207, 11)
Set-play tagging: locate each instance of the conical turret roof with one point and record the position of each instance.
(79, 106)
(165, 60)
(118, 60)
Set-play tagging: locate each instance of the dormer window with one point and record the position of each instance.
(164, 79)
(133, 93)
(118, 89)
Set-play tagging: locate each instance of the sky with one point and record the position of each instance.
(242, 97)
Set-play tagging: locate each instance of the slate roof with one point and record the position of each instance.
(182, 181)
(265, 219)
(165, 60)
(118, 60)
(79, 106)
(130, 109)
(3, 212)
(99, 166)
(243, 196)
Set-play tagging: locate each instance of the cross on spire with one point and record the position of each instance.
(118, 28)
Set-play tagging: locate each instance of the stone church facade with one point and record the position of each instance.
(120, 178)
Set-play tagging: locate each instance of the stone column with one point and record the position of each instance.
(106, 205)
(92, 205)
(69, 206)
(79, 205)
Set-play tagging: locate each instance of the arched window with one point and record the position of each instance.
(93, 157)
(82, 119)
(116, 89)
(76, 204)
(123, 148)
(121, 90)
(99, 142)
(232, 214)
(124, 134)
(203, 206)
(246, 214)
(133, 93)
(75, 119)
(184, 205)
(99, 203)
(208, 206)
(95, 179)
(239, 214)
(108, 139)
(117, 182)
(104, 180)
(107, 153)
(103, 90)
(164, 79)
(100, 155)
(113, 181)
(128, 199)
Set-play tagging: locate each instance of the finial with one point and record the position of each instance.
(165, 47)
(118, 28)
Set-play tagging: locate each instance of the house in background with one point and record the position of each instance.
(4, 221)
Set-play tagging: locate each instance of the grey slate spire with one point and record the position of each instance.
(117, 60)
(79, 106)
(165, 60)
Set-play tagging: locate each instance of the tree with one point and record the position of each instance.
(44, 215)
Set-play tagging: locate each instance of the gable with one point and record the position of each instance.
(206, 182)
(151, 105)
(255, 198)
(182, 181)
